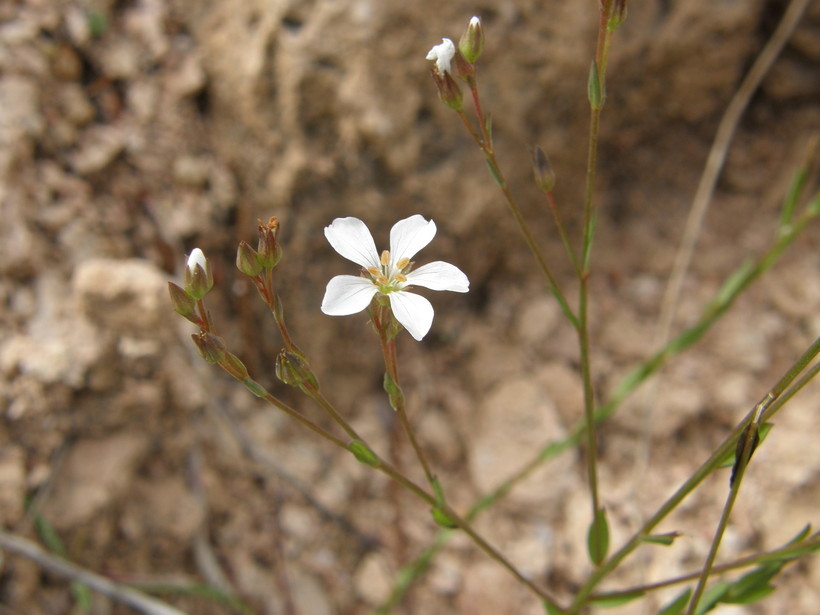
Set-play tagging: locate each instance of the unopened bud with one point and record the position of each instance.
(448, 90)
(183, 303)
(198, 278)
(471, 43)
(617, 16)
(542, 169)
(211, 347)
(294, 369)
(247, 260)
(268, 248)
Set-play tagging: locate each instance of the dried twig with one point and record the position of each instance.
(56, 565)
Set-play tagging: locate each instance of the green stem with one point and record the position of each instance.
(772, 399)
(783, 553)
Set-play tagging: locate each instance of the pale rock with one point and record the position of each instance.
(373, 578)
(98, 148)
(169, 508)
(514, 420)
(308, 594)
(127, 296)
(94, 474)
(537, 319)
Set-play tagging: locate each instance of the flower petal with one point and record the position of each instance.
(439, 275)
(414, 312)
(442, 55)
(347, 294)
(410, 235)
(350, 238)
(197, 257)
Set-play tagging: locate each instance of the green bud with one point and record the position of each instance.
(198, 278)
(211, 347)
(270, 252)
(247, 260)
(544, 175)
(183, 303)
(294, 369)
(471, 43)
(448, 90)
(364, 454)
(617, 16)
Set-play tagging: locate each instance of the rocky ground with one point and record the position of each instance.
(132, 132)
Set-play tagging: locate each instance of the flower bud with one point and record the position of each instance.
(448, 90)
(544, 175)
(617, 16)
(198, 277)
(211, 347)
(183, 303)
(471, 43)
(294, 369)
(269, 250)
(247, 260)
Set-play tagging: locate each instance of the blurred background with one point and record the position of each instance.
(133, 131)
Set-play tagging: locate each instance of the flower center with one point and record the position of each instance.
(389, 277)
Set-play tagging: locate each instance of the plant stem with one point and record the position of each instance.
(777, 393)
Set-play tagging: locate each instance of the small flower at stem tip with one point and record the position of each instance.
(442, 55)
(617, 16)
(269, 249)
(471, 43)
(198, 278)
(390, 278)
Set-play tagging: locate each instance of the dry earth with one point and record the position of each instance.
(133, 131)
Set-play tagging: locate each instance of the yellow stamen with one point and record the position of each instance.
(402, 263)
(385, 258)
(399, 277)
(374, 271)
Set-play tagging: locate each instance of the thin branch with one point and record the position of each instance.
(706, 188)
(56, 565)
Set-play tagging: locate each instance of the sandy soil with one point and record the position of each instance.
(131, 132)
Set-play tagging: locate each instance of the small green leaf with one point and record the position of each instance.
(711, 598)
(394, 394)
(254, 387)
(598, 537)
(443, 519)
(678, 604)
(752, 586)
(729, 460)
(363, 453)
(661, 539)
(552, 609)
(594, 87)
(495, 173)
(488, 128)
(610, 602)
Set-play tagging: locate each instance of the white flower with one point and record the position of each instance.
(443, 55)
(390, 273)
(197, 257)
